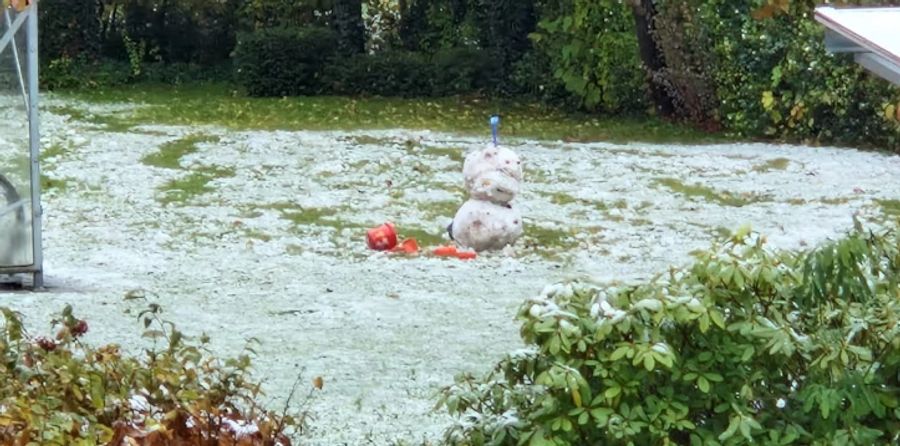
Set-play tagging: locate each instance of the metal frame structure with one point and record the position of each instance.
(28, 18)
(868, 33)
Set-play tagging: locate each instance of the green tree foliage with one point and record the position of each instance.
(189, 31)
(594, 52)
(772, 76)
(258, 14)
(348, 23)
(284, 61)
(759, 67)
(746, 346)
(69, 29)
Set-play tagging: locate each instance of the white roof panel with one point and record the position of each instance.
(872, 33)
(875, 29)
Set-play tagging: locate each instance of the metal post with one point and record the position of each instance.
(15, 52)
(34, 144)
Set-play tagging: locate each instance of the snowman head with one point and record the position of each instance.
(494, 186)
(493, 174)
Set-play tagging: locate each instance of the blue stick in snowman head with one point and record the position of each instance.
(495, 122)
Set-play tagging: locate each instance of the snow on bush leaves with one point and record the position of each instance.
(62, 391)
(747, 345)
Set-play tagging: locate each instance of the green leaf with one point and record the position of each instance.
(98, 392)
(601, 415)
(717, 318)
(620, 353)
(732, 428)
(744, 427)
(703, 384)
(748, 353)
(649, 362)
(612, 392)
(583, 418)
(713, 377)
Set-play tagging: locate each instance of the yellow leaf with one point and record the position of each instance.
(890, 112)
(576, 397)
(768, 100)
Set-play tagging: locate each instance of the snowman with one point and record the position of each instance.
(488, 220)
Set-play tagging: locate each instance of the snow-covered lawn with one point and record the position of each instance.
(261, 234)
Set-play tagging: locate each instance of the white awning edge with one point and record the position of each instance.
(868, 33)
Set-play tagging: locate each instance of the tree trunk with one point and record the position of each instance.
(644, 15)
(349, 23)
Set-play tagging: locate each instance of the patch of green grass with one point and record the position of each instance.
(171, 152)
(257, 235)
(425, 238)
(643, 205)
(772, 164)
(219, 104)
(546, 240)
(455, 154)
(48, 183)
(368, 140)
(890, 207)
(723, 198)
(182, 189)
(435, 209)
(835, 200)
(562, 198)
(110, 122)
(307, 216)
(52, 151)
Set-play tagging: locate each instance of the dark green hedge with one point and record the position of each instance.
(283, 61)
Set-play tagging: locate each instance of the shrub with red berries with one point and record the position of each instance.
(46, 344)
(80, 328)
(176, 394)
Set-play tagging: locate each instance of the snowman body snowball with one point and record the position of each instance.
(489, 220)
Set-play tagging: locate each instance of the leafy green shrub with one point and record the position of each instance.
(432, 25)
(184, 73)
(79, 72)
(261, 14)
(747, 346)
(283, 61)
(594, 52)
(463, 70)
(189, 31)
(532, 77)
(389, 73)
(761, 69)
(61, 391)
(774, 77)
(69, 29)
(503, 28)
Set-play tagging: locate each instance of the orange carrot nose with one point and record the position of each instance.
(445, 251)
(382, 238)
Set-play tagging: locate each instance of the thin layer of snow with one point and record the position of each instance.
(385, 332)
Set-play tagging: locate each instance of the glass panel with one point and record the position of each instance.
(16, 247)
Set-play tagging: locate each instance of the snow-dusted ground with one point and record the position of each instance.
(386, 332)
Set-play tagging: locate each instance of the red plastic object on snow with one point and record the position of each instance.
(451, 251)
(382, 238)
(408, 246)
